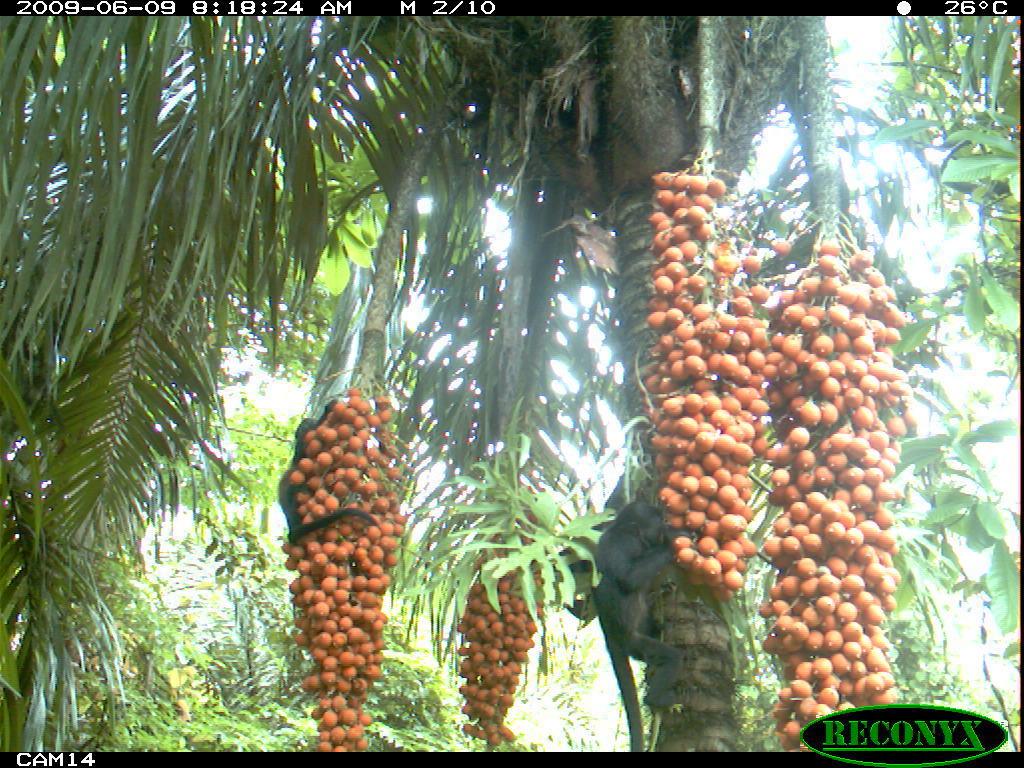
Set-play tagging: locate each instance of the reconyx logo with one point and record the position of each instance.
(904, 734)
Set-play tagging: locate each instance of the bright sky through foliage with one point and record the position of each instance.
(929, 251)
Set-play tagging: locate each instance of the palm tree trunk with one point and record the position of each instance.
(703, 721)
(369, 372)
(631, 338)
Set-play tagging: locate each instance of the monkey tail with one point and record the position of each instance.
(297, 533)
(627, 688)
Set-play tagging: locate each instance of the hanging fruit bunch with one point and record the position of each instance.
(494, 648)
(350, 463)
(706, 381)
(838, 406)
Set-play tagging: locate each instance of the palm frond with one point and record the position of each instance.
(152, 168)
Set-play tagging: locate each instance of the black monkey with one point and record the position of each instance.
(296, 533)
(286, 492)
(630, 553)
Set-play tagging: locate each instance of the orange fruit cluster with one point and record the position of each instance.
(838, 406)
(349, 462)
(705, 383)
(494, 648)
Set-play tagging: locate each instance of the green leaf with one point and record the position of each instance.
(905, 594)
(949, 505)
(335, 274)
(490, 582)
(470, 482)
(1003, 581)
(976, 168)
(978, 474)
(904, 130)
(1007, 119)
(974, 533)
(912, 336)
(546, 510)
(923, 450)
(986, 138)
(993, 432)
(585, 525)
(524, 450)
(1005, 307)
(356, 249)
(991, 520)
(1004, 46)
(369, 231)
(974, 308)
(582, 551)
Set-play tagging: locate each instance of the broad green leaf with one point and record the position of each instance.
(529, 596)
(546, 510)
(978, 474)
(974, 533)
(1007, 119)
(1003, 47)
(369, 231)
(582, 551)
(334, 274)
(1003, 580)
(356, 249)
(585, 524)
(1005, 307)
(987, 138)
(923, 450)
(993, 432)
(977, 168)
(912, 336)
(991, 520)
(949, 505)
(906, 593)
(903, 130)
(974, 308)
